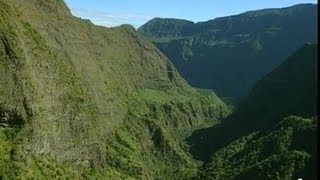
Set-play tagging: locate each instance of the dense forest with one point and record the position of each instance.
(273, 132)
(81, 101)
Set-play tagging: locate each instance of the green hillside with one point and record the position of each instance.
(80, 101)
(287, 151)
(267, 137)
(230, 54)
(83, 101)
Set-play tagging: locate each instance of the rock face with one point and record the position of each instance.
(266, 136)
(91, 101)
(230, 54)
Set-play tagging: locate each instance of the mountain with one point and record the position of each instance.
(230, 54)
(272, 134)
(79, 101)
(287, 151)
(83, 101)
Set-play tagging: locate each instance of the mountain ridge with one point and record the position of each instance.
(201, 52)
(243, 13)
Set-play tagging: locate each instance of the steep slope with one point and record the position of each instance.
(230, 54)
(287, 151)
(264, 140)
(83, 101)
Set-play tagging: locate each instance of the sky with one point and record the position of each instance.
(112, 13)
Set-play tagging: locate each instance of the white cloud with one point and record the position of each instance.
(112, 19)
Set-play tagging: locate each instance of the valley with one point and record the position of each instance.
(81, 101)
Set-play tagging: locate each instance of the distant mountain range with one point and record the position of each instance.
(230, 54)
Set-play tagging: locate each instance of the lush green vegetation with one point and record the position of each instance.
(262, 139)
(79, 101)
(230, 54)
(268, 155)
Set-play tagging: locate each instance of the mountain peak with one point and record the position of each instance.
(161, 27)
(156, 19)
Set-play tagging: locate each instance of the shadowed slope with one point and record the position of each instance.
(255, 131)
(230, 54)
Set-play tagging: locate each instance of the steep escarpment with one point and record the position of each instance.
(81, 101)
(230, 54)
(272, 134)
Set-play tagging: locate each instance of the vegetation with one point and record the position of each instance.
(79, 101)
(259, 42)
(268, 155)
(266, 136)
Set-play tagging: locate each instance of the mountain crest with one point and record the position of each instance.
(49, 7)
(167, 27)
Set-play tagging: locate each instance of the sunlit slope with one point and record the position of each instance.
(79, 100)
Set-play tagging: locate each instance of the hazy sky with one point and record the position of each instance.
(137, 12)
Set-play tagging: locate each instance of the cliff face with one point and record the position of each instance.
(78, 100)
(230, 54)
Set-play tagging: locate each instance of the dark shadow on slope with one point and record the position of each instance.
(291, 89)
(10, 118)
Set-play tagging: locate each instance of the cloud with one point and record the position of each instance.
(112, 19)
